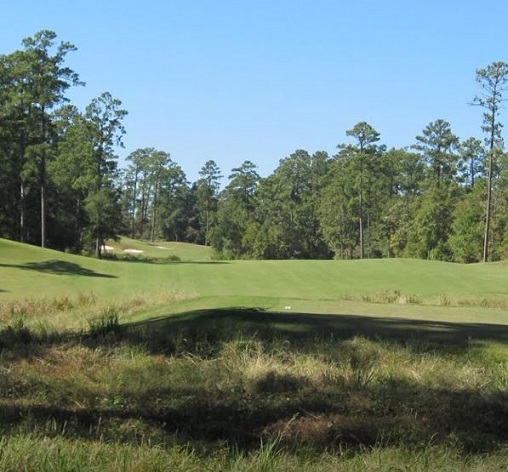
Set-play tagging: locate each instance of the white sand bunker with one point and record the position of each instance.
(133, 251)
(107, 248)
(162, 247)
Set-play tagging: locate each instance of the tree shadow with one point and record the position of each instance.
(158, 260)
(58, 268)
(322, 420)
(393, 412)
(203, 332)
(203, 262)
(222, 324)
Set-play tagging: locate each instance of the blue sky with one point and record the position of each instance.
(256, 80)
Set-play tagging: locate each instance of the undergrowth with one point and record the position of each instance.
(75, 313)
(397, 297)
(224, 392)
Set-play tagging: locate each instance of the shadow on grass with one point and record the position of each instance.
(170, 259)
(295, 327)
(408, 415)
(203, 262)
(203, 332)
(59, 268)
(285, 408)
(158, 260)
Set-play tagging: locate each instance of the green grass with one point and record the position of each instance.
(426, 289)
(161, 250)
(194, 364)
(250, 390)
(36, 454)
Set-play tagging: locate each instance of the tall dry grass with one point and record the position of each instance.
(219, 396)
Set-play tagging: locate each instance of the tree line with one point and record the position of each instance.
(61, 186)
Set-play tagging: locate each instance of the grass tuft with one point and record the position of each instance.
(386, 297)
(107, 325)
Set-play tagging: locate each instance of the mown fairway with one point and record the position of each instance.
(414, 288)
(184, 363)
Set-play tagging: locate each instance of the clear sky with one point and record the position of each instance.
(258, 79)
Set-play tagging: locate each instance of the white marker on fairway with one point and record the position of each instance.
(287, 308)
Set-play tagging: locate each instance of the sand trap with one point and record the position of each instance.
(162, 247)
(133, 251)
(107, 248)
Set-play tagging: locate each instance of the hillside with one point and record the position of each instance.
(388, 287)
(168, 364)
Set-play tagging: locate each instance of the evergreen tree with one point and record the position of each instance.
(493, 80)
(431, 225)
(235, 212)
(103, 118)
(438, 145)
(287, 211)
(467, 227)
(33, 82)
(176, 204)
(361, 162)
(207, 191)
(472, 161)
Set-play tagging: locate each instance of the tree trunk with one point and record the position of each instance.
(43, 214)
(22, 202)
(133, 210)
(154, 215)
(489, 186)
(22, 211)
(362, 251)
(43, 182)
(98, 243)
(488, 209)
(206, 229)
(77, 227)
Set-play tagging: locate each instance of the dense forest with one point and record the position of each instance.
(61, 186)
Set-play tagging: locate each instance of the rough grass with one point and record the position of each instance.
(49, 455)
(124, 365)
(242, 390)
(38, 454)
(74, 313)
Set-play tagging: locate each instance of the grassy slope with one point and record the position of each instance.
(306, 286)
(163, 395)
(163, 249)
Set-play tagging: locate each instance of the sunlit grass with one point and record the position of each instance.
(76, 313)
(42, 454)
(424, 289)
(119, 365)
